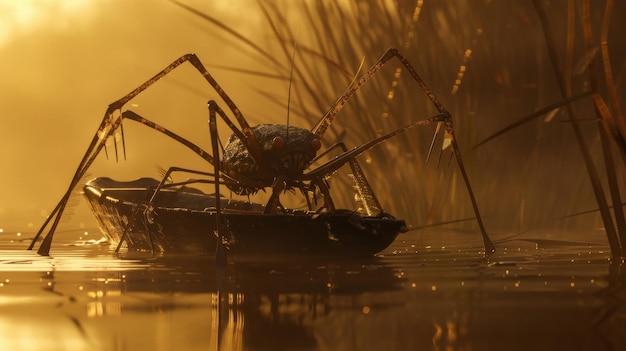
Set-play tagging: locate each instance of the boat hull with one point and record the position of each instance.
(183, 221)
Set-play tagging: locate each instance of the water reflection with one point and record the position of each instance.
(269, 305)
(532, 294)
(167, 302)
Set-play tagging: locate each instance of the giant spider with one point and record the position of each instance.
(266, 156)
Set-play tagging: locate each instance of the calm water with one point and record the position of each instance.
(430, 290)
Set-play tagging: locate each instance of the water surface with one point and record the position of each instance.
(431, 290)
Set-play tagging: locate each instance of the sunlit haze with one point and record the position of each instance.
(63, 62)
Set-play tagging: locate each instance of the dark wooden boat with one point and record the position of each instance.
(182, 220)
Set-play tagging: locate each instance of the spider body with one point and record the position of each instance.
(284, 150)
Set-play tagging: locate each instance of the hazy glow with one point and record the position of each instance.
(21, 17)
(21, 336)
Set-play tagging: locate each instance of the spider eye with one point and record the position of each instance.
(278, 143)
(316, 144)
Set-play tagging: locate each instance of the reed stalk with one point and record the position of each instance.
(606, 126)
(601, 200)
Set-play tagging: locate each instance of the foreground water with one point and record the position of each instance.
(429, 291)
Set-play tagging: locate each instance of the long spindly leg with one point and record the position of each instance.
(197, 64)
(220, 250)
(321, 184)
(366, 194)
(317, 175)
(105, 130)
(320, 127)
(273, 204)
(193, 147)
(111, 121)
(340, 160)
(245, 133)
(328, 117)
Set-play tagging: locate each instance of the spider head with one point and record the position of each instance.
(287, 150)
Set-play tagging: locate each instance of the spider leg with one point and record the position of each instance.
(193, 147)
(245, 133)
(110, 122)
(366, 194)
(250, 139)
(274, 201)
(243, 180)
(305, 192)
(340, 160)
(329, 116)
(105, 130)
(337, 162)
(220, 250)
(321, 184)
(323, 124)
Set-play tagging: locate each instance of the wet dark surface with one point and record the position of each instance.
(429, 290)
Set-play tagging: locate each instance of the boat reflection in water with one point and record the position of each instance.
(256, 305)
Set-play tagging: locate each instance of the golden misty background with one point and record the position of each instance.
(63, 62)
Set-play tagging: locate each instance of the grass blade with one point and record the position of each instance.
(534, 115)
